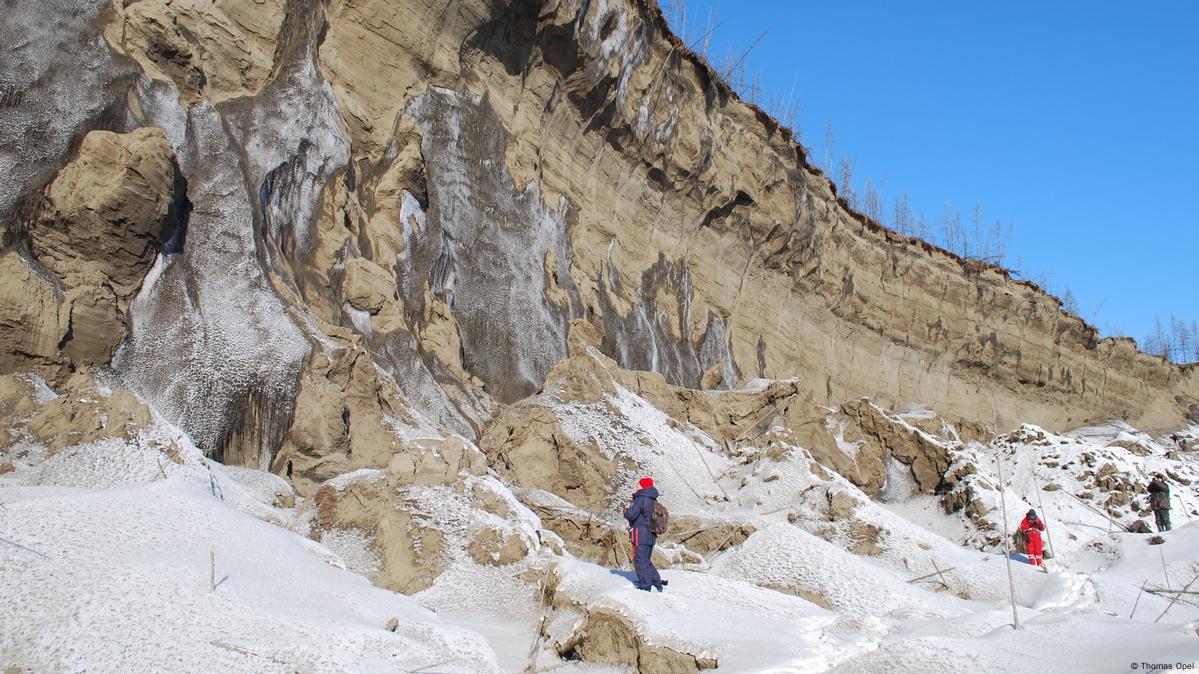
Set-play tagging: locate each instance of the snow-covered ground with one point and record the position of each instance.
(110, 550)
(108, 556)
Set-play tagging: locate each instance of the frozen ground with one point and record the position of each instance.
(108, 566)
(107, 550)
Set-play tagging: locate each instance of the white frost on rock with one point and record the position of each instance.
(210, 329)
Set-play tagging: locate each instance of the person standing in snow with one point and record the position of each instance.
(1032, 526)
(1159, 500)
(639, 513)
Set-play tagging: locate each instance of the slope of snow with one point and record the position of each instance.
(785, 556)
(106, 550)
(1056, 475)
(683, 460)
(743, 627)
(108, 566)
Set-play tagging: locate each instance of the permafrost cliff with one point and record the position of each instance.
(438, 239)
(452, 190)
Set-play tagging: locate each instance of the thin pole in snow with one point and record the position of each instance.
(938, 572)
(1164, 571)
(22, 547)
(1007, 541)
(1184, 507)
(212, 569)
(1175, 599)
(1097, 511)
(1138, 601)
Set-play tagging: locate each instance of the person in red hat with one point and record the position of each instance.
(639, 514)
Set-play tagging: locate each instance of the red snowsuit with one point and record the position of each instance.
(1034, 527)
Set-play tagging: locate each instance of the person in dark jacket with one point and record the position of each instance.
(638, 514)
(1159, 500)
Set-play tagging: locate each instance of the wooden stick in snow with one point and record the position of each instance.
(534, 648)
(1095, 510)
(700, 454)
(1184, 507)
(245, 651)
(1175, 599)
(1007, 541)
(1158, 590)
(22, 547)
(938, 572)
(1177, 595)
(1138, 601)
(212, 569)
(773, 410)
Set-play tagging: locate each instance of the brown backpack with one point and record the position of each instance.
(1020, 542)
(659, 519)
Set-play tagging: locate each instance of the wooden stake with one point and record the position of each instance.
(1176, 596)
(1138, 601)
(1184, 507)
(1097, 511)
(544, 592)
(943, 581)
(212, 568)
(1158, 590)
(938, 572)
(700, 454)
(1007, 541)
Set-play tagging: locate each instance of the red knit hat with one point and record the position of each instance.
(645, 482)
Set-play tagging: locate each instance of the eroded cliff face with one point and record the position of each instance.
(342, 227)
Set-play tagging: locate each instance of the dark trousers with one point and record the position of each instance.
(647, 575)
(1163, 519)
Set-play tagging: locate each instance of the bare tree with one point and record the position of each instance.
(902, 218)
(999, 238)
(951, 231)
(1045, 281)
(1182, 335)
(676, 15)
(1149, 344)
(846, 186)
(922, 229)
(1172, 338)
(790, 116)
(707, 42)
(830, 143)
(1194, 341)
(981, 249)
(1156, 342)
(872, 201)
(1069, 304)
(1183, 341)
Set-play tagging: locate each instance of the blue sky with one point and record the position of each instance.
(1076, 122)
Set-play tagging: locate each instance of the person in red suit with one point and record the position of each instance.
(1032, 526)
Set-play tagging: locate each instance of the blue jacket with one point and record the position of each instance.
(638, 514)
